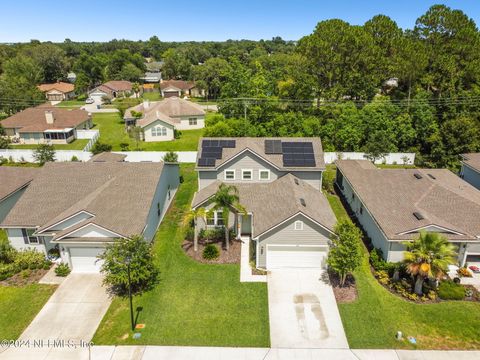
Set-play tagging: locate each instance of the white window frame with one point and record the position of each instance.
(217, 215)
(225, 174)
(192, 121)
(157, 130)
(164, 131)
(263, 171)
(245, 171)
(298, 225)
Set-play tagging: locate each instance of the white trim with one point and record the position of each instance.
(300, 227)
(80, 228)
(251, 174)
(432, 224)
(291, 217)
(260, 174)
(299, 245)
(68, 218)
(225, 174)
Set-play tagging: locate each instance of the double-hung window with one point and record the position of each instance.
(247, 174)
(264, 174)
(215, 219)
(192, 121)
(28, 237)
(229, 174)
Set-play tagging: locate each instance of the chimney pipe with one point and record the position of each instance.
(49, 118)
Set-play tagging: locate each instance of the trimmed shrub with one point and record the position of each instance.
(100, 147)
(30, 259)
(7, 252)
(7, 270)
(62, 270)
(449, 290)
(210, 252)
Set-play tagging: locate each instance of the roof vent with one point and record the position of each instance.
(302, 201)
(431, 176)
(418, 175)
(418, 215)
(296, 181)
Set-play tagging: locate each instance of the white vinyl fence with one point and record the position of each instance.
(392, 158)
(93, 135)
(18, 155)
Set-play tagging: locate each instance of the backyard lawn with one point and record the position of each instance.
(373, 320)
(112, 131)
(77, 144)
(194, 304)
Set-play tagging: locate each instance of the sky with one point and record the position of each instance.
(197, 20)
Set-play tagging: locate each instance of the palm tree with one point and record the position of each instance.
(428, 257)
(226, 198)
(193, 215)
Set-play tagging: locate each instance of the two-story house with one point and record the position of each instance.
(279, 183)
(470, 171)
(79, 208)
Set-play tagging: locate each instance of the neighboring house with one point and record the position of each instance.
(470, 171)
(394, 205)
(111, 89)
(179, 88)
(279, 184)
(58, 91)
(82, 207)
(13, 182)
(160, 119)
(152, 77)
(41, 124)
(72, 77)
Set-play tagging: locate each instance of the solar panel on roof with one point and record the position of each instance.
(273, 146)
(206, 162)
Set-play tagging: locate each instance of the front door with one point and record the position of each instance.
(246, 225)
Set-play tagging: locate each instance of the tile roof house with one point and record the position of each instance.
(159, 119)
(13, 183)
(77, 207)
(44, 124)
(179, 88)
(288, 217)
(394, 205)
(58, 91)
(470, 171)
(112, 89)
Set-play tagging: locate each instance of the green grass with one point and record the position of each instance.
(373, 320)
(194, 304)
(19, 305)
(77, 144)
(112, 131)
(152, 96)
(71, 104)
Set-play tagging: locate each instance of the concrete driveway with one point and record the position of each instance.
(303, 311)
(73, 312)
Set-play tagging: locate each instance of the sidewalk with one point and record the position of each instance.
(245, 268)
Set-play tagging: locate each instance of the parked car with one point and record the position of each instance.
(89, 101)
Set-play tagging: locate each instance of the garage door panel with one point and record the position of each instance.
(295, 257)
(85, 259)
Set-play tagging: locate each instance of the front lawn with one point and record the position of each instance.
(152, 96)
(73, 104)
(19, 305)
(194, 304)
(112, 131)
(77, 144)
(373, 320)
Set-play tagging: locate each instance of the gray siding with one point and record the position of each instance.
(471, 176)
(168, 179)
(366, 220)
(312, 234)
(7, 204)
(249, 161)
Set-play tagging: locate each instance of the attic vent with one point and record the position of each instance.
(418, 175)
(296, 181)
(302, 201)
(418, 215)
(431, 176)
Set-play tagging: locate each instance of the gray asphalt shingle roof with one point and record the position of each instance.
(14, 178)
(472, 160)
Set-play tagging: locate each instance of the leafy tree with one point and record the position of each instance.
(226, 199)
(130, 72)
(193, 216)
(100, 147)
(2, 130)
(344, 255)
(428, 256)
(170, 157)
(51, 59)
(4, 143)
(176, 65)
(143, 271)
(44, 153)
(213, 73)
(136, 134)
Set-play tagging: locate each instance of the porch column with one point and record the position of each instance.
(239, 226)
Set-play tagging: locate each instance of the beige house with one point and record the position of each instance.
(179, 88)
(159, 120)
(46, 125)
(58, 91)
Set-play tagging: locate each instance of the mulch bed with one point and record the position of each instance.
(19, 280)
(232, 256)
(346, 293)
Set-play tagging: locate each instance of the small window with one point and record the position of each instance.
(247, 174)
(229, 174)
(215, 219)
(159, 131)
(29, 238)
(192, 121)
(361, 209)
(164, 131)
(264, 174)
(298, 225)
(353, 196)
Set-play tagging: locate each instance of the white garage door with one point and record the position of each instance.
(85, 259)
(295, 257)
